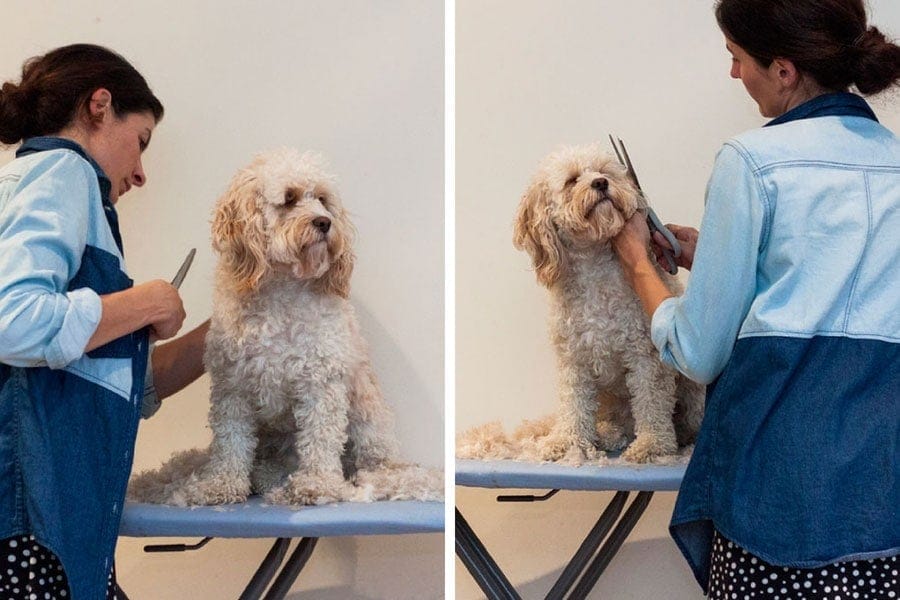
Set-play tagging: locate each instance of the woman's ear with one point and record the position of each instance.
(99, 105)
(785, 72)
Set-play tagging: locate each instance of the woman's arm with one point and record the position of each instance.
(631, 245)
(155, 304)
(179, 363)
(695, 333)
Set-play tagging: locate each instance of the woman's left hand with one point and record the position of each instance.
(633, 240)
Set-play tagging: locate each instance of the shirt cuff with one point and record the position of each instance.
(660, 326)
(79, 324)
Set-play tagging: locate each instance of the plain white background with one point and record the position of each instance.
(362, 82)
(531, 75)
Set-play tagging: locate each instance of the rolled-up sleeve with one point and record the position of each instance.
(43, 232)
(696, 332)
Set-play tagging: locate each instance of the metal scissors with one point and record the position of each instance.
(185, 267)
(653, 221)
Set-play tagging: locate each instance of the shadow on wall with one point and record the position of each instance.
(623, 579)
(418, 422)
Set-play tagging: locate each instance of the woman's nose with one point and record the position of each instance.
(138, 177)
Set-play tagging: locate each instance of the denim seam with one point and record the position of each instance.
(865, 248)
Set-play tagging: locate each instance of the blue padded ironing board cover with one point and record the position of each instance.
(515, 474)
(254, 519)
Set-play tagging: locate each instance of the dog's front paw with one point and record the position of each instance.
(647, 446)
(558, 447)
(312, 488)
(209, 489)
(611, 437)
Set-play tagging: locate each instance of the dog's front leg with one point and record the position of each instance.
(575, 428)
(652, 388)
(226, 477)
(320, 416)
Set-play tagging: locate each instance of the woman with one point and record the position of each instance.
(74, 331)
(792, 314)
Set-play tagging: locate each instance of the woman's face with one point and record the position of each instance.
(116, 143)
(761, 83)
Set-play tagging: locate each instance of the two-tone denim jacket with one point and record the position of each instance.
(792, 313)
(68, 419)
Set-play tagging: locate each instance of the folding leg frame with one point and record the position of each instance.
(267, 568)
(581, 572)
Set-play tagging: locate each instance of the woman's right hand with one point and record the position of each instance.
(687, 238)
(166, 310)
(155, 304)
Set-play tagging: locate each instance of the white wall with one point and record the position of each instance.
(531, 75)
(361, 82)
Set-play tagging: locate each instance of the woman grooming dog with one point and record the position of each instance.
(74, 331)
(791, 315)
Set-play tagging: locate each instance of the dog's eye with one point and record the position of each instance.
(571, 180)
(322, 200)
(290, 198)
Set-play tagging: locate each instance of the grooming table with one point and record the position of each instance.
(612, 525)
(254, 519)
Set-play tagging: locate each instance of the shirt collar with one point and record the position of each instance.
(842, 104)
(43, 143)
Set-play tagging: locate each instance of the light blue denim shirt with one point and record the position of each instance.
(68, 419)
(792, 313)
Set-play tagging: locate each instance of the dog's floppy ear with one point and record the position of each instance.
(238, 232)
(337, 279)
(536, 234)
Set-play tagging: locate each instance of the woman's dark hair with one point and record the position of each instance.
(57, 86)
(828, 40)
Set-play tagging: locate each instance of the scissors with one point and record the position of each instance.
(653, 221)
(183, 270)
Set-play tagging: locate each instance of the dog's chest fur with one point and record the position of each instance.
(596, 313)
(283, 341)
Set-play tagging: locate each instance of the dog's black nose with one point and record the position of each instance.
(601, 183)
(323, 224)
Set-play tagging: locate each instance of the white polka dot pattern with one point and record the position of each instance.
(735, 574)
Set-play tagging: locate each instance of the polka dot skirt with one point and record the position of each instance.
(32, 572)
(735, 574)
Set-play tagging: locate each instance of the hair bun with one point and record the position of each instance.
(14, 119)
(877, 61)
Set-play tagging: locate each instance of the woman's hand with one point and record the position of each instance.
(687, 238)
(631, 245)
(167, 313)
(155, 304)
(632, 241)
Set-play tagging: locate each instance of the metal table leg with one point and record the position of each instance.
(480, 564)
(291, 569)
(266, 570)
(588, 547)
(612, 545)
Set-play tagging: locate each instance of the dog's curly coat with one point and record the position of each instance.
(613, 384)
(296, 410)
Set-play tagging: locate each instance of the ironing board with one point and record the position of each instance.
(612, 526)
(255, 519)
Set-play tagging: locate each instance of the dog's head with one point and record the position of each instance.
(282, 214)
(579, 197)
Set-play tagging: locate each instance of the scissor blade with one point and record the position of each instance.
(630, 166)
(185, 267)
(616, 148)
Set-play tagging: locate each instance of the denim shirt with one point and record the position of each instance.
(68, 419)
(792, 313)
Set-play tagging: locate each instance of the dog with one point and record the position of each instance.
(614, 389)
(296, 411)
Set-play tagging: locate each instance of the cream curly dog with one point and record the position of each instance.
(296, 411)
(613, 387)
